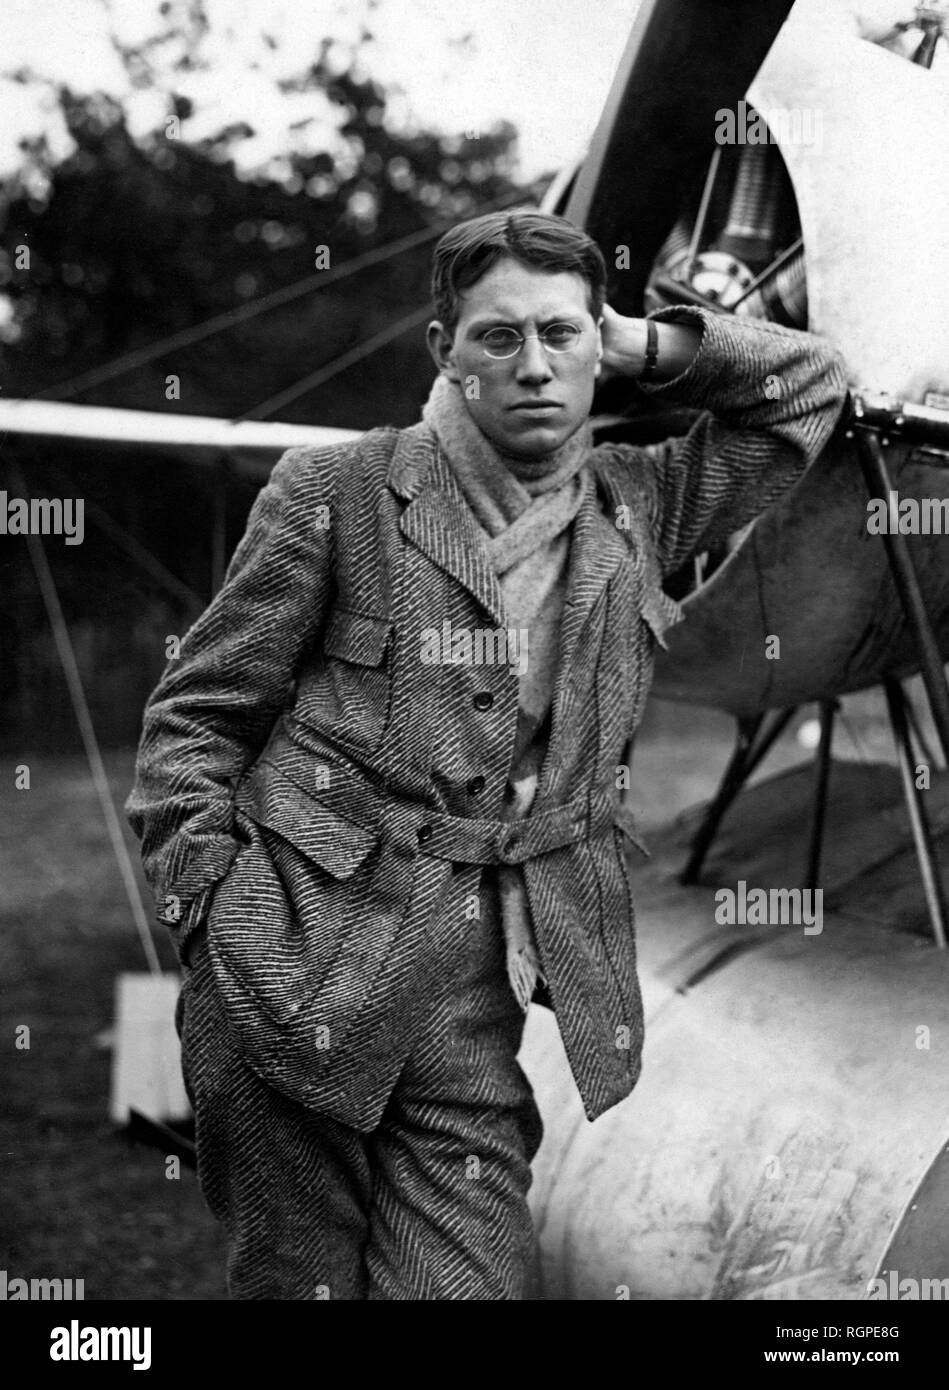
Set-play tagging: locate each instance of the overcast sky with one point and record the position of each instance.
(546, 65)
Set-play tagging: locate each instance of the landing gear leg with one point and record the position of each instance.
(918, 819)
(828, 709)
(749, 750)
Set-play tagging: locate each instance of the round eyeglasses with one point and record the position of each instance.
(507, 342)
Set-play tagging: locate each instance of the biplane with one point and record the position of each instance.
(786, 1140)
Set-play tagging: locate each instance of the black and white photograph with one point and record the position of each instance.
(474, 703)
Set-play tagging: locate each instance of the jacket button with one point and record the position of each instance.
(425, 833)
(476, 785)
(483, 700)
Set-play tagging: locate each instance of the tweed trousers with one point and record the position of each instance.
(432, 1204)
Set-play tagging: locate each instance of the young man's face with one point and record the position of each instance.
(530, 404)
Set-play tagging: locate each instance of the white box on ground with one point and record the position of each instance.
(146, 1060)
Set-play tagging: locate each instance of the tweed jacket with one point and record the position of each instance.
(310, 791)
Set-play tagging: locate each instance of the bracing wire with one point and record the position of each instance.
(187, 337)
(337, 365)
(70, 666)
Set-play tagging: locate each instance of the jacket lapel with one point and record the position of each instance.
(596, 551)
(438, 520)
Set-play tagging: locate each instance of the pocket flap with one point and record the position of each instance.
(271, 799)
(357, 637)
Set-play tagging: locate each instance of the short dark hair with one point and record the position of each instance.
(539, 239)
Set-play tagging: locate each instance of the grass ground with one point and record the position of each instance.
(78, 1201)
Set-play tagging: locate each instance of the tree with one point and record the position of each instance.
(139, 238)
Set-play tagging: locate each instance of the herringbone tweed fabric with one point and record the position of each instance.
(300, 763)
(432, 1204)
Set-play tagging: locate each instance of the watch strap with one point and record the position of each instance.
(651, 362)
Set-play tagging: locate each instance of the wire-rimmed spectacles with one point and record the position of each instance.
(507, 342)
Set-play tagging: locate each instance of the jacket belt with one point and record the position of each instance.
(417, 828)
(465, 840)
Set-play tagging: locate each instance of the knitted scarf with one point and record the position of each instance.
(524, 509)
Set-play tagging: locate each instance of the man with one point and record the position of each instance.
(374, 834)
